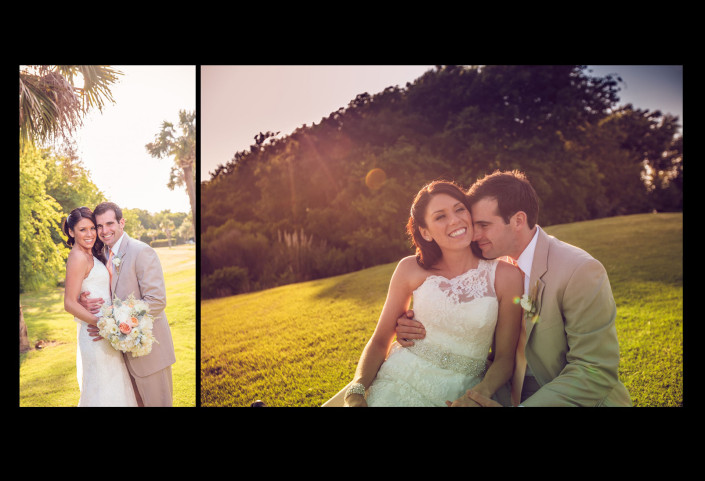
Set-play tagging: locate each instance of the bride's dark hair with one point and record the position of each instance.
(429, 253)
(70, 223)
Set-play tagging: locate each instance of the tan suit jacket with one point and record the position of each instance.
(572, 349)
(140, 274)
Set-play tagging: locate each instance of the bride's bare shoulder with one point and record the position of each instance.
(410, 269)
(77, 262)
(76, 257)
(408, 263)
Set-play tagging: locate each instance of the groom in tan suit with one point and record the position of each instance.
(568, 352)
(135, 269)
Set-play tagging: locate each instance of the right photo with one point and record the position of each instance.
(441, 236)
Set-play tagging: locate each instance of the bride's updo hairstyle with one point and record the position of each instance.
(428, 253)
(70, 223)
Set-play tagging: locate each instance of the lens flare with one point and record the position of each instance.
(375, 179)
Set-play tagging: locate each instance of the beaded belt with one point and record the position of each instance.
(447, 360)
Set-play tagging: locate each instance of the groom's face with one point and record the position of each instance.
(109, 228)
(493, 236)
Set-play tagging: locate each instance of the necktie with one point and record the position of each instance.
(520, 359)
(110, 267)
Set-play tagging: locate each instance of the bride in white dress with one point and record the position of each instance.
(102, 375)
(466, 304)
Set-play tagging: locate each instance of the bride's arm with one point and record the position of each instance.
(508, 285)
(77, 266)
(375, 352)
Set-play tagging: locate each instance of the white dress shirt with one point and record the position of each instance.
(526, 260)
(116, 247)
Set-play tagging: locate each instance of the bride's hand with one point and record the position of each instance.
(355, 401)
(463, 402)
(482, 400)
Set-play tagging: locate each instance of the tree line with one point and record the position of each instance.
(53, 182)
(334, 197)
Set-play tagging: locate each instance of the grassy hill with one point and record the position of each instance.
(48, 375)
(297, 345)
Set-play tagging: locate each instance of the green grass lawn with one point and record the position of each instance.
(297, 345)
(48, 375)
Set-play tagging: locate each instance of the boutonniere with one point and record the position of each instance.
(528, 303)
(116, 262)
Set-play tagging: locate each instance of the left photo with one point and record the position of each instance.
(107, 253)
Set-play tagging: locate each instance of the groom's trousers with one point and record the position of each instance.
(155, 390)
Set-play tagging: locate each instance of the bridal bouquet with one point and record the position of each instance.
(127, 325)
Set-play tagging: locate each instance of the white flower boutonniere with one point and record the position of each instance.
(528, 303)
(116, 262)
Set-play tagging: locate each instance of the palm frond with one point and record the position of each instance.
(51, 105)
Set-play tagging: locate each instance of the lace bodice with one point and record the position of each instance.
(460, 315)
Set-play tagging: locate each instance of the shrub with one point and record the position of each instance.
(225, 281)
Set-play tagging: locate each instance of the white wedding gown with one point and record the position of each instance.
(102, 374)
(460, 316)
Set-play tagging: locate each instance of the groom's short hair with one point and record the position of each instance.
(103, 207)
(512, 191)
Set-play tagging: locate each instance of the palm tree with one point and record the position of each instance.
(183, 149)
(52, 106)
(167, 226)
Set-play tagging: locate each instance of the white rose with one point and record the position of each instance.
(141, 306)
(122, 313)
(526, 303)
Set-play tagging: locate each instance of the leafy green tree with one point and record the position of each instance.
(42, 260)
(185, 230)
(133, 222)
(69, 182)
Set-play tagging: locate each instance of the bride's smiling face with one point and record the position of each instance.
(448, 222)
(84, 233)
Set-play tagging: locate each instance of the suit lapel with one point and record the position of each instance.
(539, 267)
(121, 255)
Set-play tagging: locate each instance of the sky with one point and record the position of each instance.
(111, 144)
(238, 102)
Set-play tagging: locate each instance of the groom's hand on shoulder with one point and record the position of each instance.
(408, 329)
(92, 305)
